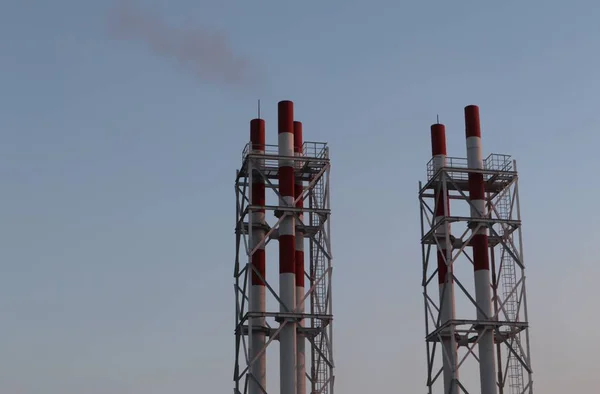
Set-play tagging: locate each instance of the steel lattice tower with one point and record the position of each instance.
(506, 326)
(258, 227)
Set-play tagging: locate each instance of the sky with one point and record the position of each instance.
(118, 151)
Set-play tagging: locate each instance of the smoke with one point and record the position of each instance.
(206, 53)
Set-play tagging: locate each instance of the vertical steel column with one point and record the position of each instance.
(479, 243)
(444, 254)
(301, 341)
(287, 248)
(258, 296)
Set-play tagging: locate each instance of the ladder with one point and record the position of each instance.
(319, 297)
(509, 280)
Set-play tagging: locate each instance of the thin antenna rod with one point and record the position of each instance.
(438, 119)
(258, 108)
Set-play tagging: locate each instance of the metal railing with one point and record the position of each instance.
(318, 150)
(494, 162)
(498, 162)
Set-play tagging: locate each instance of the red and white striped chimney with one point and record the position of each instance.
(301, 342)
(257, 296)
(287, 248)
(444, 253)
(479, 243)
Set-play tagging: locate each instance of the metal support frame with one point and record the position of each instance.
(314, 168)
(510, 320)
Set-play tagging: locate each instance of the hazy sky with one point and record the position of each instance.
(117, 161)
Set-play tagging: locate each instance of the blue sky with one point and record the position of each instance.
(117, 168)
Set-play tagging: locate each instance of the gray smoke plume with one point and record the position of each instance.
(206, 53)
